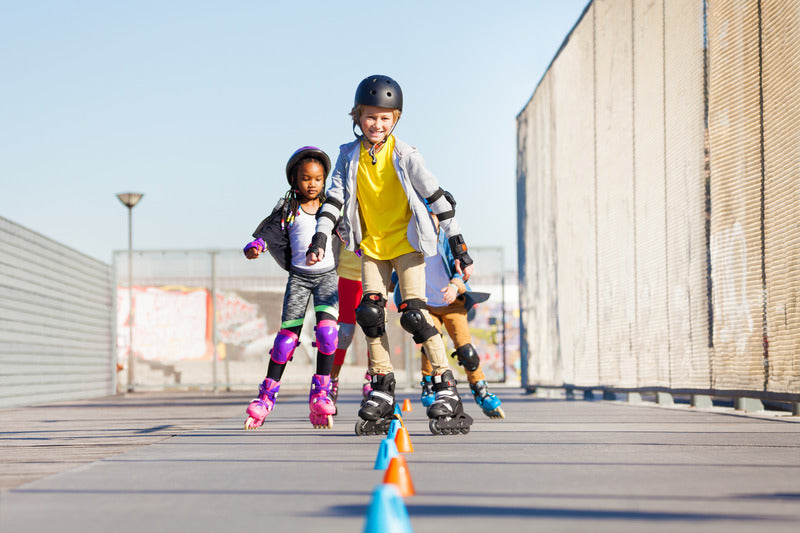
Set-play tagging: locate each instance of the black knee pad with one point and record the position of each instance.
(413, 321)
(467, 357)
(371, 316)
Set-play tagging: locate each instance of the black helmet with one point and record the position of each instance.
(307, 151)
(379, 91)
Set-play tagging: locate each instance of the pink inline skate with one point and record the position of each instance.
(366, 386)
(260, 407)
(320, 404)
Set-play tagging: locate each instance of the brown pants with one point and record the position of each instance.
(454, 319)
(375, 277)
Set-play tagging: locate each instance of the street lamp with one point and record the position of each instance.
(130, 199)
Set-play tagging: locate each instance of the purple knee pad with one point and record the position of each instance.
(327, 336)
(283, 349)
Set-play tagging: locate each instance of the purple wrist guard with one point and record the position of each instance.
(259, 244)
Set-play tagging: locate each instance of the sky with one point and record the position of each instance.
(199, 104)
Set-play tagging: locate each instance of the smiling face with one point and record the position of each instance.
(310, 179)
(376, 123)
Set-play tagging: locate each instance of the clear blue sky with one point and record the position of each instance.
(198, 105)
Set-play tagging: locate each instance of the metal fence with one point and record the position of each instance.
(658, 193)
(185, 338)
(55, 321)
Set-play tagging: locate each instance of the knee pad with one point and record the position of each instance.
(326, 336)
(283, 349)
(414, 322)
(346, 332)
(371, 316)
(467, 357)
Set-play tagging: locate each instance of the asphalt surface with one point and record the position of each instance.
(182, 462)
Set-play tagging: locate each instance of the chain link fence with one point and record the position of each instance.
(658, 192)
(185, 338)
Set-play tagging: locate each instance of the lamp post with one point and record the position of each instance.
(130, 199)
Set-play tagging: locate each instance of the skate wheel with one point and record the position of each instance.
(360, 427)
(434, 427)
(251, 423)
(500, 413)
(330, 422)
(465, 430)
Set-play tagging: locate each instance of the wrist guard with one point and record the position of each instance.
(459, 249)
(318, 242)
(258, 244)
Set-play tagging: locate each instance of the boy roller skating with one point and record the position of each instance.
(449, 300)
(382, 186)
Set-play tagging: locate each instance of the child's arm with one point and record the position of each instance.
(329, 213)
(441, 204)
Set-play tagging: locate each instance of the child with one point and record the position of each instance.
(350, 291)
(448, 303)
(382, 186)
(286, 233)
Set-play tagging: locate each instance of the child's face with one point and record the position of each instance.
(310, 179)
(376, 123)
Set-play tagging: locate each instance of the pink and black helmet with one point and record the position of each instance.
(302, 153)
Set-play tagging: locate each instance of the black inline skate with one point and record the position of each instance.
(377, 410)
(447, 412)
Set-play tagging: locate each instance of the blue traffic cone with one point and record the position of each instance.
(397, 409)
(393, 428)
(387, 450)
(387, 513)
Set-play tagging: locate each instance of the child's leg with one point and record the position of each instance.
(320, 402)
(410, 270)
(295, 300)
(349, 296)
(455, 321)
(425, 363)
(371, 316)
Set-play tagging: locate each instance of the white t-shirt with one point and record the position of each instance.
(300, 234)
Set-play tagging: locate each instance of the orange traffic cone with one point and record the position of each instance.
(402, 441)
(407, 405)
(397, 474)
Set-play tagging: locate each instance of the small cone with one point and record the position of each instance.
(393, 427)
(396, 409)
(387, 513)
(407, 405)
(387, 450)
(397, 474)
(402, 441)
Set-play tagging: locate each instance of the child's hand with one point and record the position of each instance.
(449, 293)
(316, 250)
(312, 257)
(254, 248)
(466, 273)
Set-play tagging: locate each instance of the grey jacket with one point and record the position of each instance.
(418, 184)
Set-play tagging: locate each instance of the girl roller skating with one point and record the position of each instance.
(286, 234)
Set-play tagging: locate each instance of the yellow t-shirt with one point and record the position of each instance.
(349, 265)
(383, 206)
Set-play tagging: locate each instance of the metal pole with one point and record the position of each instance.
(130, 298)
(215, 356)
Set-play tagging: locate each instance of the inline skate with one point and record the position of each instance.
(446, 413)
(334, 395)
(321, 407)
(377, 410)
(427, 396)
(260, 407)
(488, 402)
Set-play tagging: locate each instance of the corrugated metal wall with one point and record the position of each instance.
(55, 321)
(659, 236)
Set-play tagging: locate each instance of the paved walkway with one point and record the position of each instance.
(181, 462)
